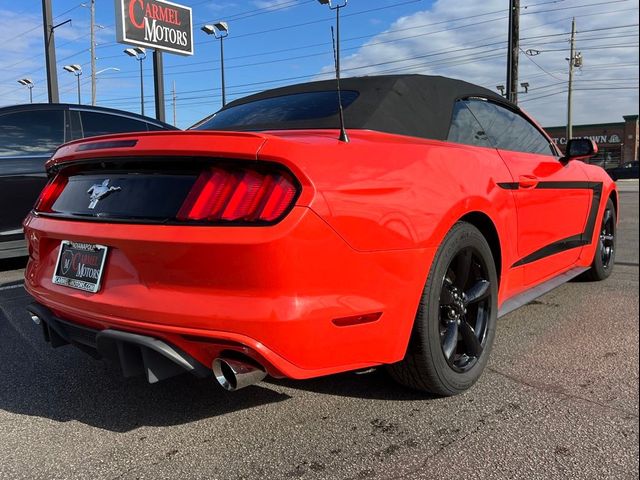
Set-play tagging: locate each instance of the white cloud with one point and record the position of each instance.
(441, 41)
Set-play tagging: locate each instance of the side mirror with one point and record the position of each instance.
(580, 149)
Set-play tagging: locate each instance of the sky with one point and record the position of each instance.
(280, 42)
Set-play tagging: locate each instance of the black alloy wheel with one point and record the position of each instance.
(465, 310)
(605, 251)
(607, 238)
(455, 324)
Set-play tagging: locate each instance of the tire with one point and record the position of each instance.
(426, 365)
(605, 254)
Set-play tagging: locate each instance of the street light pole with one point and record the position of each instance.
(173, 100)
(141, 87)
(339, 4)
(26, 82)
(77, 71)
(224, 87)
(92, 49)
(221, 31)
(139, 54)
(338, 37)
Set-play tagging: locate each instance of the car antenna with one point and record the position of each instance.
(343, 131)
(336, 60)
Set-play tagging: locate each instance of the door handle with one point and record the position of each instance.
(528, 181)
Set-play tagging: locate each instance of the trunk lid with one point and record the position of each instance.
(168, 177)
(163, 143)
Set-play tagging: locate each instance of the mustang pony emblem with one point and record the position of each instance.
(99, 191)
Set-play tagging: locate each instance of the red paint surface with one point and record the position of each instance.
(361, 239)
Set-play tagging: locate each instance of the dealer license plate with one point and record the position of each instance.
(80, 265)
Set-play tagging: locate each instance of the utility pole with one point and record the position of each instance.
(513, 50)
(50, 52)
(93, 51)
(173, 99)
(572, 63)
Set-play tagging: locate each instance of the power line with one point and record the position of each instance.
(579, 89)
(383, 33)
(441, 52)
(603, 47)
(268, 62)
(609, 2)
(406, 2)
(377, 34)
(262, 54)
(313, 22)
(259, 11)
(467, 58)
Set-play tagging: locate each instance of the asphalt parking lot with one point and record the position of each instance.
(559, 400)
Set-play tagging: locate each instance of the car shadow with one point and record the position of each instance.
(374, 384)
(65, 385)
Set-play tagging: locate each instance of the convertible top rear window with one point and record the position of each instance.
(412, 105)
(278, 111)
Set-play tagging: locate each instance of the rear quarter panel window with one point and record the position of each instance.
(465, 128)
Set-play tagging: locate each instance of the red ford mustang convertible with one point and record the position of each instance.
(260, 243)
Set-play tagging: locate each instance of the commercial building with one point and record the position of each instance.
(617, 142)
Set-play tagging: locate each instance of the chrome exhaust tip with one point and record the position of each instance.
(233, 375)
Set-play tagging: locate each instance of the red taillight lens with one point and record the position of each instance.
(50, 193)
(239, 195)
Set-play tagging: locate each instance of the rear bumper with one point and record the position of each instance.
(271, 294)
(136, 354)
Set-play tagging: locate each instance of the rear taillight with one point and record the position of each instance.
(50, 193)
(239, 195)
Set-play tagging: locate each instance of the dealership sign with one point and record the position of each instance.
(599, 139)
(155, 24)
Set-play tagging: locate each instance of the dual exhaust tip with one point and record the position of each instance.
(233, 374)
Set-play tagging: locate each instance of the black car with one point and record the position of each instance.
(626, 170)
(29, 134)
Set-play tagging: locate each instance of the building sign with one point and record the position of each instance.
(155, 24)
(599, 139)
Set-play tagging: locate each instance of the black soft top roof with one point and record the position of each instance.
(414, 105)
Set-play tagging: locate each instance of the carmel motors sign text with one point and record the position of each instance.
(155, 24)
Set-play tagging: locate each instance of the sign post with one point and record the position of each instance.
(158, 84)
(158, 24)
